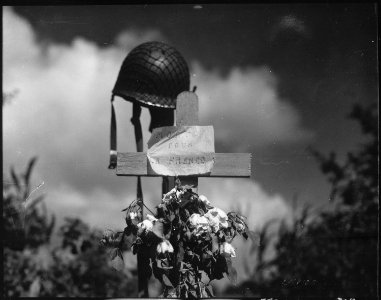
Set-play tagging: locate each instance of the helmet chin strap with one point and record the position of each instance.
(159, 117)
(135, 120)
(113, 151)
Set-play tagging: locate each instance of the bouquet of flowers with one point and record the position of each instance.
(187, 242)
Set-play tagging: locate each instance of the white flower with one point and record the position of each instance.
(151, 218)
(217, 218)
(170, 195)
(197, 219)
(164, 246)
(133, 215)
(179, 193)
(199, 223)
(240, 227)
(146, 225)
(203, 199)
(213, 223)
(227, 250)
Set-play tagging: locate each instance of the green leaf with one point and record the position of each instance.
(219, 267)
(255, 237)
(15, 179)
(35, 287)
(231, 271)
(209, 290)
(117, 263)
(166, 281)
(33, 202)
(180, 253)
(163, 264)
(29, 169)
(204, 293)
(158, 229)
(152, 239)
(113, 253)
(193, 293)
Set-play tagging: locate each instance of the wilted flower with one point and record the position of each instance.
(199, 223)
(133, 215)
(133, 218)
(240, 227)
(197, 219)
(227, 250)
(240, 224)
(151, 218)
(238, 221)
(217, 218)
(214, 224)
(203, 199)
(146, 225)
(169, 196)
(179, 193)
(164, 246)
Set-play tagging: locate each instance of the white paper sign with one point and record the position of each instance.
(181, 151)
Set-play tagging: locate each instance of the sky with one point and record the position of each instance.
(273, 80)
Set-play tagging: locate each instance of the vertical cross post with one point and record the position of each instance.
(186, 115)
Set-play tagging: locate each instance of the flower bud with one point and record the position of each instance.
(203, 199)
(240, 227)
(146, 225)
(151, 218)
(199, 223)
(227, 250)
(164, 246)
(168, 196)
(197, 219)
(133, 215)
(217, 218)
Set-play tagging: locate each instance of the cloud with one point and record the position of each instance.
(62, 110)
(62, 114)
(245, 109)
(289, 24)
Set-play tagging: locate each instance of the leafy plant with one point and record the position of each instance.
(75, 266)
(334, 252)
(187, 242)
(25, 223)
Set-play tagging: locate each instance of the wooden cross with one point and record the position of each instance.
(225, 164)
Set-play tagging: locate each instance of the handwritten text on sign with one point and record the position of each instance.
(181, 151)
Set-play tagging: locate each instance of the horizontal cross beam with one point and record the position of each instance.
(225, 165)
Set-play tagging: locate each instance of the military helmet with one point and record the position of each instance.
(152, 74)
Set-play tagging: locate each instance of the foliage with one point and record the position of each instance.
(33, 266)
(335, 252)
(187, 243)
(25, 224)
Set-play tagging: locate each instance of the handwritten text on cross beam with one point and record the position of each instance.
(181, 151)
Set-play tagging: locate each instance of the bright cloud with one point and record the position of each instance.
(245, 108)
(62, 114)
